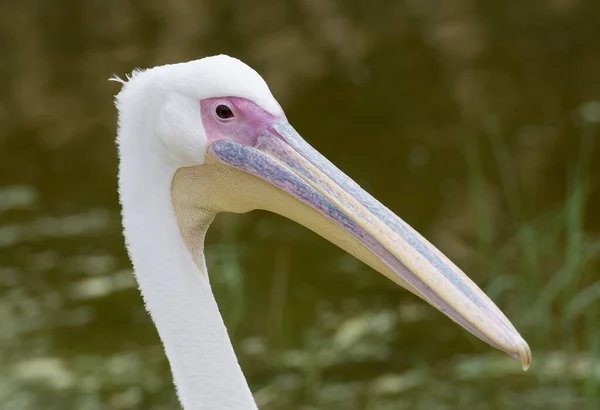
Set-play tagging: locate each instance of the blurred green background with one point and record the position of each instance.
(475, 121)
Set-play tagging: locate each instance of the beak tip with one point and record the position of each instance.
(524, 355)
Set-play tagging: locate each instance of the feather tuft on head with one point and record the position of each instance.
(117, 79)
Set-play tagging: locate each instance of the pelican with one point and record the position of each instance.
(207, 136)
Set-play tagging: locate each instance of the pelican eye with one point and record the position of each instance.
(224, 112)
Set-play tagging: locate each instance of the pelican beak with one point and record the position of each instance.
(344, 213)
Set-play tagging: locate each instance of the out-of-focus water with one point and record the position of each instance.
(476, 122)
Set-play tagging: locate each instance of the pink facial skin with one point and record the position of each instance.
(247, 121)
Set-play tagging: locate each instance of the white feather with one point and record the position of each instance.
(160, 130)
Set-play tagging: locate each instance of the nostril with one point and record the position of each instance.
(224, 112)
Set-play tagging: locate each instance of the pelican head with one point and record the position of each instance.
(230, 148)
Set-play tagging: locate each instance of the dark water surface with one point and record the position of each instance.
(475, 121)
